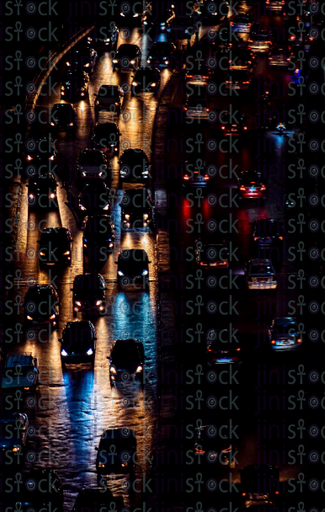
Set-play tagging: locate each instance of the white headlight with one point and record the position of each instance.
(98, 302)
(120, 273)
(90, 352)
(64, 353)
(139, 369)
(145, 272)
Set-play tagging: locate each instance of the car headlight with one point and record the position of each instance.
(16, 449)
(145, 272)
(90, 352)
(139, 369)
(64, 352)
(120, 273)
(70, 124)
(122, 14)
(107, 40)
(112, 369)
(136, 15)
(96, 102)
(82, 207)
(135, 83)
(52, 157)
(115, 61)
(31, 196)
(52, 124)
(52, 195)
(29, 157)
(82, 89)
(62, 87)
(66, 253)
(106, 207)
(153, 84)
(52, 317)
(78, 302)
(86, 65)
(148, 60)
(110, 245)
(68, 64)
(29, 317)
(98, 302)
(145, 216)
(132, 61)
(42, 253)
(127, 216)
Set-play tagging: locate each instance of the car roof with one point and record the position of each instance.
(79, 324)
(127, 254)
(285, 320)
(19, 359)
(260, 261)
(92, 278)
(118, 433)
(128, 46)
(266, 468)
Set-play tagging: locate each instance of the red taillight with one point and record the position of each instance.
(227, 81)
(292, 38)
(206, 177)
(209, 349)
(186, 177)
(280, 237)
(232, 23)
(185, 108)
(227, 450)
(243, 494)
(223, 127)
(276, 492)
(199, 451)
(273, 342)
(255, 238)
(250, 40)
(205, 77)
(245, 127)
(246, 82)
(249, 24)
(243, 188)
(298, 340)
(237, 349)
(263, 188)
(189, 76)
(208, 110)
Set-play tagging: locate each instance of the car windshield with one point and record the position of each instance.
(238, 75)
(145, 75)
(161, 48)
(57, 237)
(127, 49)
(39, 294)
(134, 158)
(257, 481)
(92, 158)
(108, 91)
(105, 130)
(125, 352)
(284, 329)
(77, 335)
(46, 182)
(100, 226)
(250, 178)
(63, 113)
(90, 282)
(267, 228)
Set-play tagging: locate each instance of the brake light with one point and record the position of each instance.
(280, 237)
(246, 82)
(263, 187)
(243, 493)
(245, 127)
(227, 450)
(199, 451)
(255, 238)
(299, 340)
(232, 23)
(208, 110)
(276, 492)
(206, 177)
(205, 77)
(189, 76)
(273, 342)
(223, 127)
(209, 349)
(186, 177)
(249, 24)
(243, 188)
(185, 108)
(237, 349)
(292, 38)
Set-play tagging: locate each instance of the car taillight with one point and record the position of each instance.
(263, 187)
(186, 177)
(255, 238)
(237, 349)
(189, 76)
(205, 77)
(185, 108)
(207, 109)
(249, 24)
(299, 340)
(292, 38)
(243, 493)
(243, 188)
(245, 127)
(232, 23)
(199, 451)
(280, 237)
(206, 177)
(227, 450)
(246, 82)
(273, 342)
(223, 127)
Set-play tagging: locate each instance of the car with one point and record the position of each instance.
(280, 56)
(197, 108)
(296, 36)
(284, 335)
(241, 23)
(81, 58)
(130, 14)
(78, 342)
(42, 191)
(146, 80)
(94, 198)
(95, 499)
(158, 17)
(55, 246)
(182, 28)
(260, 275)
(194, 174)
(241, 59)
(197, 74)
(275, 5)
(109, 99)
(266, 235)
(99, 233)
(260, 41)
(126, 360)
(259, 485)
(137, 208)
(221, 351)
(134, 166)
(92, 164)
(251, 185)
(41, 305)
(210, 11)
(36, 490)
(128, 56)
(13, 437)
(162, 55)
(63, 117)
(233, 125)
(238, 79)
(108, 41)
(212, 446)
(106, 137)
(89, 293)
(20, 373)
(209, 254)
(116, 452)
(41, 151)
(133, 269)
(74, 86)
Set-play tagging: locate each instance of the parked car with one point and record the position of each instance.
(128, 56)
(55, 246)
(137, 208)
(78, 342)
(251, 185)
(92, 164)
(63, 117)
(116, 452)
(135, 166)
(109, 98)
(74, 86)
(20, 373)
(126, 361)
(99, 233)
(284, 335)
(89, 293)
(41, 305)
(133, 269)
(106, 137)
(260, 275)
(42, 192)
(259, 485)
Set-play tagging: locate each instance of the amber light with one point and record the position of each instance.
(273, 342)
(298, 340)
